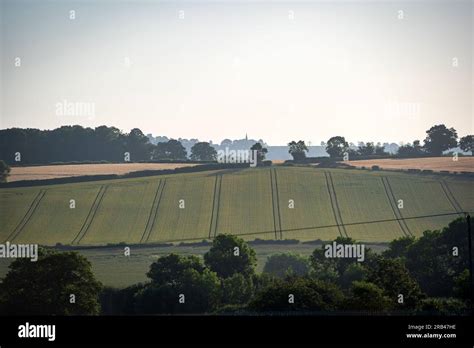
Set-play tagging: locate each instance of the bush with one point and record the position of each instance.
(375, 168)
(231, 309)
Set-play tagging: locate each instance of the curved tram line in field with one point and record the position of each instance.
(34, 204)
(90, 215)
(335, 206)
(153, 212)
(449, 195)
(276, 203)
(215, 206)
(393, 203)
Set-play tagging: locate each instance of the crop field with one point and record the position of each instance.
(69, 170)
(437, 164)
(301, 203)
(312, 205)
(245, 205)
(184, 209)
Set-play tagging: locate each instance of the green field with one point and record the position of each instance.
(301, 203)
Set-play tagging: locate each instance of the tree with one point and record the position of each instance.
(431, 261)
(467, 144)
(321, 264)
(393, 277)
(108, 143)
(367, 296)
(138, 145)
(72, 143)
(298, 150)
(462, 285)
(298, 294)
(445, 307)
(174, 276)
(56, 284)
(203, 151)
(202, 291)
(439, 139)
(380, 150)
(170, 269)
(398, 248)
(119, 301)
(171, 150)
(284, 264)
(226, 142)
(196, 292)
(409, 150)
(354, 272)
(261, 152)
(336, 147)
(229, 255)
(237, 289)
(366, 149)
(4, 171)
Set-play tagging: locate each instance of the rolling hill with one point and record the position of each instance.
(267, 203)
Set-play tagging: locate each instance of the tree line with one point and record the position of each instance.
(427, 275)
(78, 144)
(438, 139)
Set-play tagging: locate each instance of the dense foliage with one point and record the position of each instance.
(427, 275)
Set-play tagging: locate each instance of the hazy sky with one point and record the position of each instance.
(277, 70)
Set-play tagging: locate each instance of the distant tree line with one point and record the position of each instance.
(427, 275)
(72, 143)
(79, 144)
(438, 139)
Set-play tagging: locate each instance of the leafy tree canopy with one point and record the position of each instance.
(439, 138)
(203, 151)
(467, 144)
(298, 150)
(170, 150)
(229, 255)
(45, 287)
(261, 152)
(336, 147)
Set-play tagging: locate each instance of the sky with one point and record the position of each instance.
(275, 70)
